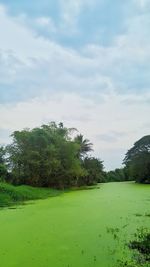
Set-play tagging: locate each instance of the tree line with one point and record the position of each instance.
(50, 156)
(136, 164)
(56, 156)
(137, 160)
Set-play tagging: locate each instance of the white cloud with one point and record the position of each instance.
(132, 47)
(111, 117)
(41, 24)
(70, 11)
(86, 89)
(23, 42)
(44, 21)
(142, 3)
(44, 63)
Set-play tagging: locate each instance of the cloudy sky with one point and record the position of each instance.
(83, 62)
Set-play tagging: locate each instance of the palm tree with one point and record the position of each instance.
(85, 145)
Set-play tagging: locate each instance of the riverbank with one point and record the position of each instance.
(12, 195)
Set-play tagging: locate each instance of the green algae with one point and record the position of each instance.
(77, 229)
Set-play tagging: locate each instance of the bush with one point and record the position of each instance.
(10, 194)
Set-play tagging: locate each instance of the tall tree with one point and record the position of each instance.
(44, 156)
(117, 175)
(137, 160)
(94, 171)
(85, 145)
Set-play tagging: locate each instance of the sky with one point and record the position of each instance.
(85, 63)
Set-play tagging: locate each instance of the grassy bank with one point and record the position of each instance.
(11, 195)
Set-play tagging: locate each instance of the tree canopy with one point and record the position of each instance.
(84, 144)
(56, 156)
(50, 156)
(117, 175)
(137, 160)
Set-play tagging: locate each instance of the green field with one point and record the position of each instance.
(76, 229)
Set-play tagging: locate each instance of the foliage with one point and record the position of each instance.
(3, 168)
(44, 156)
(49, 156)
(141, 248)
(84, 144)
(95, 172)
(118, 175)
(141, 146)
(10, 195)
(2, 155)
(137, 160)
(3, 172)
(142, 244)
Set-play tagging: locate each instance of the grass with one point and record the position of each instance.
(84, 228)
(12, 195)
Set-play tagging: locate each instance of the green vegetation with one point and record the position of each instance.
(81, 228)
(141, 250)
(3, 168)
(137, 164)
(49, 156)
(57, 157)
(118, 175)
(94, 169)
(84, 228)
(11, 195)
(84, 145)
(142, 245)
(137, 160)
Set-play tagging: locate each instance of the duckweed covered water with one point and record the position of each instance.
(88, 228)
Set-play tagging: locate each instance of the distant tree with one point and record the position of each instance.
(137, 160)
(85, 145)
(117, 175)
(45, 156)
(50, 156)
(94, 171)
(140, 147)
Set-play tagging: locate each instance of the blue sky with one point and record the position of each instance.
(77, 23)
(84, 62)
